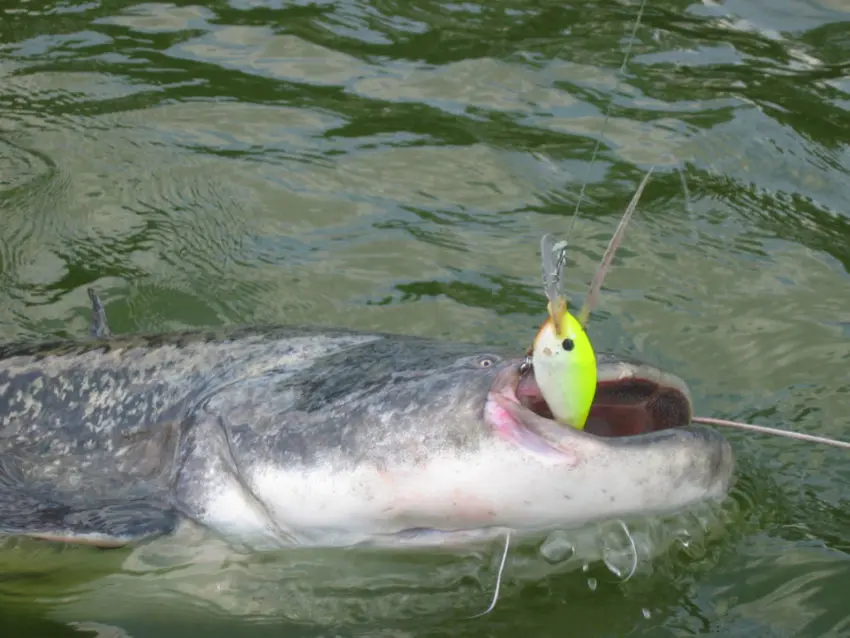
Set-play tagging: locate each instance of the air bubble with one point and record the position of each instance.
(557, 548)
(619, 552)
(591, 583)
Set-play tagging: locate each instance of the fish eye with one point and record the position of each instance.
(486, 361)
(568, 344)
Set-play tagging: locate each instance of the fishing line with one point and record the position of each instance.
(498, 578)
(811, 438)
(549, 269)
(620, 75)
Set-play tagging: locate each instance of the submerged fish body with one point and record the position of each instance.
(283, 436)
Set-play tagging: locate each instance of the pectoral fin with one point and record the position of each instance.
(102, 525)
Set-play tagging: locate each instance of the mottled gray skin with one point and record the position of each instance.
(114, 439)
(84, 425)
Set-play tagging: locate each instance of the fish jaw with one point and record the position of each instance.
(659, 472)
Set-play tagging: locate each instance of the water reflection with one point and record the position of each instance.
(193, 577)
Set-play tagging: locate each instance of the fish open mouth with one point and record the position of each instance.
(631, 398)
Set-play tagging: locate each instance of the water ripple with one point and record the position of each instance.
(391, 166)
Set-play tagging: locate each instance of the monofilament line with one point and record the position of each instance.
(620, 74)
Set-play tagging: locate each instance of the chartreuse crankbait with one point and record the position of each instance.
(562, 355)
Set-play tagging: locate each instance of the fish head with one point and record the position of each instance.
(409, 434)
(471, 421)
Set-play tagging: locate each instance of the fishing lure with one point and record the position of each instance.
(562, 355)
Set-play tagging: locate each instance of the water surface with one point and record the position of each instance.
(391, 166)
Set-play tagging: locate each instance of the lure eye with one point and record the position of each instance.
(568, 344)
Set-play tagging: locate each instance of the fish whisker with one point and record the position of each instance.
(811, 438)
(498, 578)
(634, 551)
(596, 285)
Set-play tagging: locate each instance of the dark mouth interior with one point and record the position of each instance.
(621, 408)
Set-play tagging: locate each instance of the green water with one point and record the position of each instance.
(391, 166)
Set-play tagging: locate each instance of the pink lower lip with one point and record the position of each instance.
(506, 384)
(499, 418)
(510, 429)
